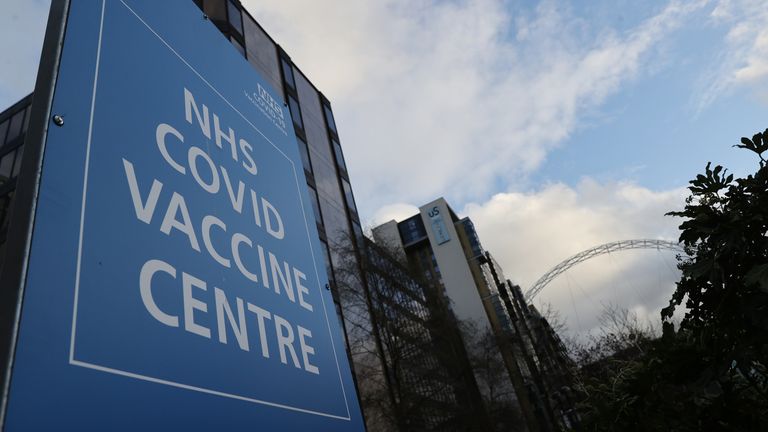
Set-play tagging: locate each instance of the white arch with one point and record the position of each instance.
(597, 251)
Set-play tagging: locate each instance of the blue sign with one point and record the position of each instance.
(176, 280)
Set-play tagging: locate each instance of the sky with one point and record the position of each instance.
(556, 126)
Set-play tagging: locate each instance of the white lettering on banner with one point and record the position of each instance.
(145, 287)
(205, 127)
(306, 350)
(161, 133)
(229, 137)
(278, 276)
(195, 299)
(208, 222)
(270, 214)
(274, 272)
(238, 239)
(298, 276)
(212, 183)
(195, 154)
(179, 206)
(191, 304)
(239, 329)
(144, 211)
(204, 120)
(236, 200)
(285, 340)
(188, 303)
(261, 314)
(268, 106)
(249, 164)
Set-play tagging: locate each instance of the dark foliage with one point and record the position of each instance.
(725, 282)
(709, 374)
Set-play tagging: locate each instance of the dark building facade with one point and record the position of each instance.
(14, 122)
(514, 336)
(541, 362)
(428, 384)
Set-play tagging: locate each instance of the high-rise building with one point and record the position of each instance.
(429, 384)
(446, 250)
(13, 129)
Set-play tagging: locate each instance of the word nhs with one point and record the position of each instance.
(268, 106)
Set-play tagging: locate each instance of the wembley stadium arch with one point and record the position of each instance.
(597, 251)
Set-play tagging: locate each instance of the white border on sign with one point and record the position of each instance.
(80, 363)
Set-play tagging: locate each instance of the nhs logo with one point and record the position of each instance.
(268, 105)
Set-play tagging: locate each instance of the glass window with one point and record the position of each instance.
(412, 229)
(240, 48)
(26, 119)
(304, 152)
(329, 118)
(5, 209)
(262, 53)
(339, 314)
(350, 197)
(327, 257)
(315, 205)
(6, 166)
(358, 234)
(288, 74)
(3, 130)
(17, 165)
(216, 11)
(474, 241)
(235, 17)
(339, 156)
(14, 130)
(295, 112)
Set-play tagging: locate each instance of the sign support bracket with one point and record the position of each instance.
(19, 242)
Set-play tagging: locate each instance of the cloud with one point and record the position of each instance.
(465, 98)
(21, 39)
(397, 212)
(744, 59)
(529, 233)
(453, 98)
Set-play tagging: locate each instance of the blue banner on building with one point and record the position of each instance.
(175, 279)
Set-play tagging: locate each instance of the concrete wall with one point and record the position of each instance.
(452, 261)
